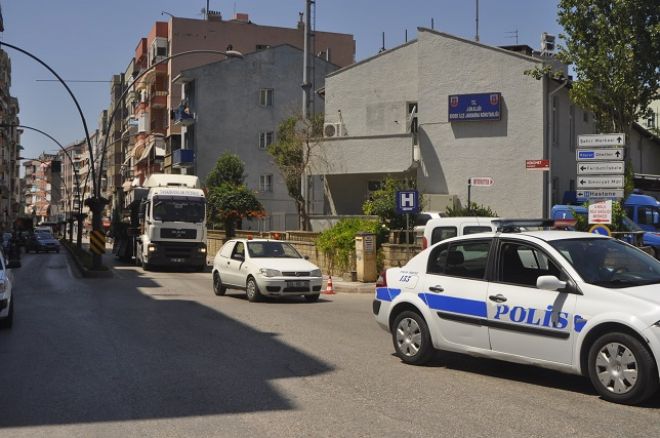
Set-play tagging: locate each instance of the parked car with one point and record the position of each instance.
(42, 241)
(6, 242)
(6, 297)
(575, 302)
(443, 228)
(265, 268)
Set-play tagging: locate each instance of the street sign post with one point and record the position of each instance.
(407, 201)
(602, 182)
(585, 195)
(600, 212)
(543, 165)
(601, 168)
(599, 154)
(601, 140)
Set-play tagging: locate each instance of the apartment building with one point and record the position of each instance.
(9, 148)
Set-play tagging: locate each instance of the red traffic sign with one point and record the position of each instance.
(537, 164)
(481, 181)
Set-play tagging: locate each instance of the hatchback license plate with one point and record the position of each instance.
(297, 284)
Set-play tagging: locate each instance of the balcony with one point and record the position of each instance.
(183, 158)
(158, 99)
(183, 116)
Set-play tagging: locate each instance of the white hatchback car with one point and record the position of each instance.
(573, 302)
(265, 268)
(6, 298)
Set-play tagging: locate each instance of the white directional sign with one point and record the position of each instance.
(585, 195)
(481, 181)
(601, 168)
(601, 140)
(600, 182)
(599, 154)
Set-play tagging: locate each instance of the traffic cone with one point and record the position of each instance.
(329, 290)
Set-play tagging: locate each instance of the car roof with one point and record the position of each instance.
(548, 236)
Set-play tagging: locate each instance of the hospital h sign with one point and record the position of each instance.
(407, 201)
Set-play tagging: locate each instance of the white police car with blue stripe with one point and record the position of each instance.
(573, 302)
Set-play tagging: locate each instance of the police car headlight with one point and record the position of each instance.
(315, 273)
(270, 272)
(657, 324)
(3, 287)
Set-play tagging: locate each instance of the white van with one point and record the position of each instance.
(443, 228)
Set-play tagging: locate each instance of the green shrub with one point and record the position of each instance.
(471, 210)
(338, 242)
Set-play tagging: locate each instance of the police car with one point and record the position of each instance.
(574, 302)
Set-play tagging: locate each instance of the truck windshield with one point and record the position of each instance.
(178, 209)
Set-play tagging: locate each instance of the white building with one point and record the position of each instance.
(372, 107)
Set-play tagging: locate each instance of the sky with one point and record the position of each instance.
(93, 39)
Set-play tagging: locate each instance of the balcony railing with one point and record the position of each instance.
(183, 158)
(183, 116)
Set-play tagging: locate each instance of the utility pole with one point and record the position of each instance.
(476, 38)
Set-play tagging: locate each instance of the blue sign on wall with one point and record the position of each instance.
(475, 107)
(407, 201)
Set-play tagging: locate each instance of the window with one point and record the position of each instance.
(476, 229)
(555, 122)
(266, 97)
(647, 215)
(262, 46)
(239, 251)
(571, 117)
(522, 264)
(442, 233)
(266, 139)
(460, 259)
(266, 183)
(411, 121)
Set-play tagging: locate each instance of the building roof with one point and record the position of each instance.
(504, 51)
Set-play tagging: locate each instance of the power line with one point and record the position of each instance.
(69, 80)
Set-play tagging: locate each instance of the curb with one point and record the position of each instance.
(83, 271)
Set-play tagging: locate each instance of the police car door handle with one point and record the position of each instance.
(499, 298)
(436, 288)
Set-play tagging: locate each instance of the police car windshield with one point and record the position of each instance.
(609, 262)
(272, 250)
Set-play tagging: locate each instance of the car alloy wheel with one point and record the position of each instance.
(412, 341)
(252, 290)
(218, 288)
(622, 369)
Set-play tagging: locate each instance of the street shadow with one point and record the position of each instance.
(90, 350)
(296, 299)
(509, 371)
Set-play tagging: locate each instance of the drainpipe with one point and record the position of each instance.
(550, 145)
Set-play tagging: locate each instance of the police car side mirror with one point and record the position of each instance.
(550, 282)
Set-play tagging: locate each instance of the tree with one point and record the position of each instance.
(292, 152)
(382, 203)
(229, 199)
(614, 47)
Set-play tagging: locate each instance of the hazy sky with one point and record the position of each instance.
(94, 39)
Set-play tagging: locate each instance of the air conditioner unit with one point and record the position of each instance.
(332, 129)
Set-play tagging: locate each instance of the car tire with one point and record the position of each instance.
(411, 338)
(312, 298)
(8, 320)
(252, 290)
(218, 288)
(610, 357)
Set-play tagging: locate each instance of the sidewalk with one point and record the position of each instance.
(340, 285)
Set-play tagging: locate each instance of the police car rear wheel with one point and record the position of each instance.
(621, 369)
(411, 338)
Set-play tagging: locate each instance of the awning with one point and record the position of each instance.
(146, 152)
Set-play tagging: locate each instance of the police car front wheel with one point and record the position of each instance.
(622, 369)
(411, 338)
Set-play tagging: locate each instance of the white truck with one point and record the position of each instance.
(166, 220)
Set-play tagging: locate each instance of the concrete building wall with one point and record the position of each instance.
(229, 118)
(375, 95)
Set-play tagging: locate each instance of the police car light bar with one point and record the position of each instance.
(518, 225)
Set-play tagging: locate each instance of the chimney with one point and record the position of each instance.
(242, 17)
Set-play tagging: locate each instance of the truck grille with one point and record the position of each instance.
(173, 233)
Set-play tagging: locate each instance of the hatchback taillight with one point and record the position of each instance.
(425, 243)
(382, 280)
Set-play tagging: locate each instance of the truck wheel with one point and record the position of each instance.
(218, 288)
(252, 290)
(411, 338)
(621, 369)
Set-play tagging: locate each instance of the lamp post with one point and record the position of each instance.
(96, 203)
(79, 216)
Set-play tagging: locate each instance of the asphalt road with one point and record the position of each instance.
(157, 354)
